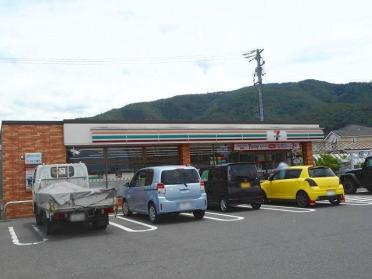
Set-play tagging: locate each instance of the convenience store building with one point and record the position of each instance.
(112, 150)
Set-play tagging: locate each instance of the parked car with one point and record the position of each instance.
(232, 184)
(165, 189)
(305, 185)
(61, 193)
(354, 179)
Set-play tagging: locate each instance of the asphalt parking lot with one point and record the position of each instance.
(277, 241)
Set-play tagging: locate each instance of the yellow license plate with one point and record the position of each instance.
(245, 185)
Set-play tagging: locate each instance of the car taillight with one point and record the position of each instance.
(58, 216)
(108, 210)
(311, 182)
(161, 188)
(202, 185)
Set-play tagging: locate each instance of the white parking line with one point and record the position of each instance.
(149, 227)
(366, 199)
(232, 217)
(282, 208)
(15, 239)
(358, 200)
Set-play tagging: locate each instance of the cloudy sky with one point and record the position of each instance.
(75, 58)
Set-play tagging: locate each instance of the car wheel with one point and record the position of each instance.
(335, 201)
(349, 186)
(369, 188)
(265, 200)
(302, 199)
(256, 205)
(100, 222)
(224, 206)
(50, 227)
(39, 217)
(126, 211)
(153, 214)
(198, 214)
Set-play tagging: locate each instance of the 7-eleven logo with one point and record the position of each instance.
(276, 135)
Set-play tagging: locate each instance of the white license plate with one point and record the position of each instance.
(185, 205)
(331, 193)
(77, 217)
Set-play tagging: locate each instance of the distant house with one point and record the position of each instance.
(350, 137)
(354, 141)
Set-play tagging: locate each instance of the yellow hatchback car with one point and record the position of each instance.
(305, 185)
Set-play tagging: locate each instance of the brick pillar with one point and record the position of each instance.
(307, 153)
(184, 152)
(18, 139)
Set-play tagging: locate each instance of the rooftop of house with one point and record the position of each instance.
(354, 131)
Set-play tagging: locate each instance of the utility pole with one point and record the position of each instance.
(256, 55)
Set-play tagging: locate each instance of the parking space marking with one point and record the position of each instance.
(282, 208)
(149, 227)
(232, 217)
(358, 200)
(15, 239)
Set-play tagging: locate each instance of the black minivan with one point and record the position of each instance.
(232, 184)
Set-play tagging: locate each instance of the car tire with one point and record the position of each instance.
(223, 205)
(198, 214)
(153, 214)
(369, 188)
(50, 227)
(349, 186)
(302, 199)
(126, 211)
(100, 222)
(265, 200)
(39, 216)
(256, 205)
(335, 201)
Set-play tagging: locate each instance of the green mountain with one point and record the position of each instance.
(309, 101)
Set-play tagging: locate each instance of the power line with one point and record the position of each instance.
(258, 73)
(116, 60)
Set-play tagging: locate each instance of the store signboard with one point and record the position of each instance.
(266, 146)
(33, 158)
(276, 135)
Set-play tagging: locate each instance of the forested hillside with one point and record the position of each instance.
(310, 101)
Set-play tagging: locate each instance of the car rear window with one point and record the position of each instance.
(179, 176)
(243, 170)
(62, 171)
(292, 173)
(321, 172)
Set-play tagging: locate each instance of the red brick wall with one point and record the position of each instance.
(16, 141)
(184, 151)
(307, 152)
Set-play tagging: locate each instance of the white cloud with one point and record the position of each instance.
(158, 49)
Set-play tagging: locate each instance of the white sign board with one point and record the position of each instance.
(266, 146)
(276, 135)
(33, 158)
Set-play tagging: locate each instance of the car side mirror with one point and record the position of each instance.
(271, 178)
(126, 184)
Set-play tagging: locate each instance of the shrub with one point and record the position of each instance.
(329, 161)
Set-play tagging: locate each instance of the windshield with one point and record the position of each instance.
(321, 172)
(179, 176)
(242, 170)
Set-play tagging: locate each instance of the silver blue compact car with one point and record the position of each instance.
(166, 189)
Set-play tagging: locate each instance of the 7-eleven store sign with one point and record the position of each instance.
(276, 135)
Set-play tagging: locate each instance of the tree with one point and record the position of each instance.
(329, 161)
